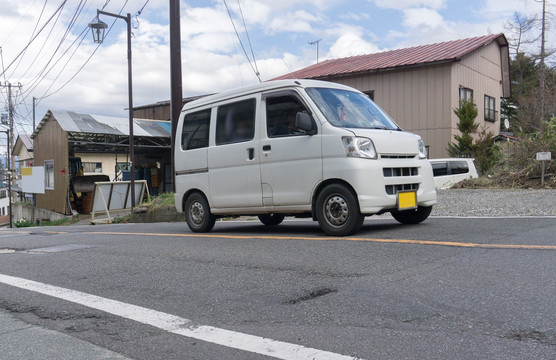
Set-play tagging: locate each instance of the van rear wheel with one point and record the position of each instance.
(197, 213)
(337, 211)
(271, 219)
(415, 216)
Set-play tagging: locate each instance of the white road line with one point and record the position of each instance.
(177, 325)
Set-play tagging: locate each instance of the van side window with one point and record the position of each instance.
(281, 112)
(235, 122)
(459, 167)
(195, 134)
(440, 168)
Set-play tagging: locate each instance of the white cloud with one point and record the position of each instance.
(404, 4)
(351, 44)
(418, 17)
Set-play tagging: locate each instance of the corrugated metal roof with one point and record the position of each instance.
(418, 55)
(27, 141)
(101, 124)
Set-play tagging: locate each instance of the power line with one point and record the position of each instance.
(84, 64)
(33, 33)
(42, 74)
(249, 40)
(34, 37)
(240, 42)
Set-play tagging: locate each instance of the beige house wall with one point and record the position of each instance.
(24, 157)
(108, 162)
(481, 72)
(418, 99)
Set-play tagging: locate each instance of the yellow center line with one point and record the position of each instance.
(322, 238)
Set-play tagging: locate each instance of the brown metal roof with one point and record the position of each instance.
(393, 59)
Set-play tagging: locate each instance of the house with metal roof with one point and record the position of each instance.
(421, 86)
(100, 145)
(23, 150)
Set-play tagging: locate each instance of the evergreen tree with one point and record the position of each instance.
(464, 147)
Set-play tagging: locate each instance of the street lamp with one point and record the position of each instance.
(98, 29)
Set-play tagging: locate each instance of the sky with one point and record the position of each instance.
(47, 50)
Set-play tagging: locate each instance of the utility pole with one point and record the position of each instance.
(34, 100)
(176, 102)
(541, 69)
(11, 119)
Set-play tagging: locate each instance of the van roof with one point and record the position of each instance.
(265, 86)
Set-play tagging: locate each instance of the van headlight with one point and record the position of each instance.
(359, 147)
(422, 149)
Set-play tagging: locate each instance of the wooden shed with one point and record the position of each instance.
(62, 134)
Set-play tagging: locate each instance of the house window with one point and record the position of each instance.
(465, 94)
(92, 167)
(370, 94)
(490, 108)
(49, 174)
(3, 194)
(122, 166)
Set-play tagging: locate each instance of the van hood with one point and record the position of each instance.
(391, 142)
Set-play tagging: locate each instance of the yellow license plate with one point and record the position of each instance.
(407, 200)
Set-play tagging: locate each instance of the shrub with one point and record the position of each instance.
(23, 223)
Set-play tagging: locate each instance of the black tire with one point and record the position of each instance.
(271, 219)
(197, 213)
(412, 216)
(337, 211)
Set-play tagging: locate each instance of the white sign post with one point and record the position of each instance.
(543, 156)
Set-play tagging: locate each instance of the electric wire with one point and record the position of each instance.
(84, 64)
(58, 10)
(240, 42)
(249, 41)
(136, 16)
(32, 34)
(44, 43)
(44, 72)
(32, 5)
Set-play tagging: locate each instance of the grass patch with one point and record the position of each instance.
(54, 222)
(160, 201)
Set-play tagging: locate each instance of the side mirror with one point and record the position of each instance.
(304, 122)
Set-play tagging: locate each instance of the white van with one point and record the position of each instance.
(301, 148)
(449, 171)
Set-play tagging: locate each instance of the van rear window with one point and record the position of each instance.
(459, 167)
(195, 132)
(235, 122)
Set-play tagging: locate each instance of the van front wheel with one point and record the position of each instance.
(271, 219)
(197, 213)
(337, 211)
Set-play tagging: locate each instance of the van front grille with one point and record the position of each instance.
(384, 156)
(394, 189)
(402, 171)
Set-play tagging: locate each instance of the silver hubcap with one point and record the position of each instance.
(197, 212)
(336, 210)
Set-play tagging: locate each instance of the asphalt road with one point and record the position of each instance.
(457, 288)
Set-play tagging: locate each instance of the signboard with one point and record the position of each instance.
(115, 195)
(544, 156)
(32, 180)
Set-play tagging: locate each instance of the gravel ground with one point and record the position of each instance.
(495, 202)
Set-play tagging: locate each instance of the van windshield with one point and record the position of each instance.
(350, 109)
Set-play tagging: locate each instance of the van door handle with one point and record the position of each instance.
(250, 153)
(266, 148)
